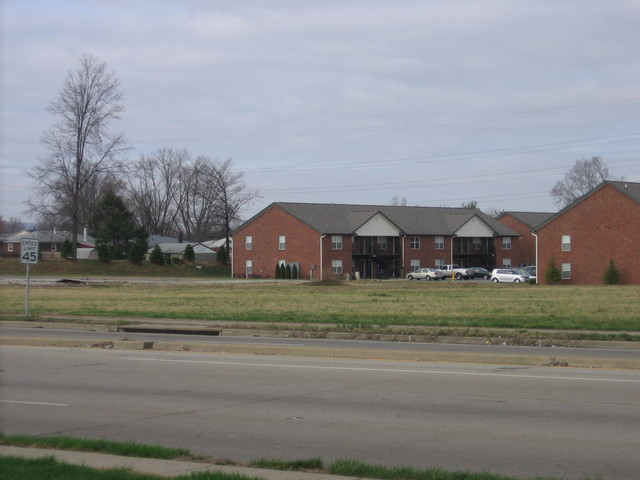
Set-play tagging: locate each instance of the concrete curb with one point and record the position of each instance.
(542, 359)
(163, 468)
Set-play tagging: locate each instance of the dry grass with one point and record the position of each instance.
(364, 303)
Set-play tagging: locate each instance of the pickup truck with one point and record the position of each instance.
(456, 271)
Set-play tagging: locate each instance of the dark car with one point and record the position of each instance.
(480, 272)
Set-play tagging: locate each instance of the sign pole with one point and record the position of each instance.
(26, 300)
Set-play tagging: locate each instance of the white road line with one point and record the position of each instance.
(388, 370)
(44, 404)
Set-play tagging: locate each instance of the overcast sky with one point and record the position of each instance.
(348, 101)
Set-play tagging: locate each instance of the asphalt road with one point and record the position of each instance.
(525, 421)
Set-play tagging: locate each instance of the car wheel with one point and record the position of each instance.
(458, 276)
(427, 278)
(495, 280)
(410, 277)
(486, 277)
(517, 280)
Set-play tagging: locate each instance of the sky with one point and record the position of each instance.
(439, 102)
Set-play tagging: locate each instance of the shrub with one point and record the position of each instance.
(136, 253)
(283, 271)
(103, 253)
(221, 255)
(277, 274)
(67, 249)
(287, 272)
(157, 256)
(552, 275)
(612, 274)
(189, 254)
(294, 272)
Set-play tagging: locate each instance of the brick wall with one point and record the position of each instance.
(523, 249)
(603, 226)
(302, 245)
(427, 253)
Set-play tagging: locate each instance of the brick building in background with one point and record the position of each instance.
(583, 237)
(368, 241)
(524, 223)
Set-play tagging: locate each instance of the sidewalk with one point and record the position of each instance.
(162, 468)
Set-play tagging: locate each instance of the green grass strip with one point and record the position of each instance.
(126, 449)
(16, 468)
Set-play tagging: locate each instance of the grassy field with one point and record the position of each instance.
(119, 268)
(363, 304)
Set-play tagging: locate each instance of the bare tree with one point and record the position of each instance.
(155, 189)
(199, 198)
(396, 201)
(80, 147)
(12, 225)
(234, 195)
(585, 175)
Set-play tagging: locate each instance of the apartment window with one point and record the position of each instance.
(282, 242)
(336, 242)
(54, 247)
(506, 243)
(382, 243)
(336, 267)
(477, 243)
(439, 262)
(415, 264)
(506, 262)
(248, 265)
(566, 271)
(9, 247)
(415, 243)
(248, 243)
(439, 242)
(353, 242)
(566, 243)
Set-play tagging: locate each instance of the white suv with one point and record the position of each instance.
(509, 275)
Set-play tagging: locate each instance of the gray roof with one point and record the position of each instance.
(630, 189)
(330, 218)
(531, 219)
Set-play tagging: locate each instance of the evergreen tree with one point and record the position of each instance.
(157, 256)
(103, 253)
(294, 272)
(136, 253)
(113, 225)
(552, 275)
(277, 270)
(67, 249)
(283, 271)
(221, 255)
(612, 274)
(287, 272)
(189, 254)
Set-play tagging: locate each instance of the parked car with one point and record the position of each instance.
(455, 270)
(425, 274)
(480, 272)
(531, 271)
(509, 275)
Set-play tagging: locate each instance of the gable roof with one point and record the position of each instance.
(530, 219)
(331, 218)
(629, 189)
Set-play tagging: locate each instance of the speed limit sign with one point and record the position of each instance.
(29, 251)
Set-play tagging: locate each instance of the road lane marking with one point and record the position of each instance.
(44, 404)
(387, 370)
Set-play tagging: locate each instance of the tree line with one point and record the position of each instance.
(168, 192)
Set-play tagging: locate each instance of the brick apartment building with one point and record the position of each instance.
(366, 241)
(583, 237)
(524, 223)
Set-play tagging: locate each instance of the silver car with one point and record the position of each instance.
(425, 274)
(512, 275)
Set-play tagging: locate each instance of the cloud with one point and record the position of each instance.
(390, 97)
